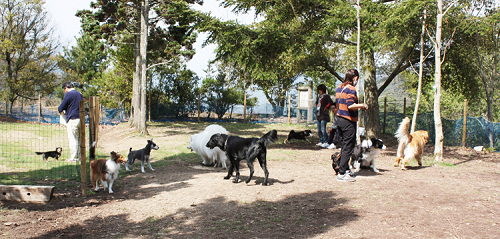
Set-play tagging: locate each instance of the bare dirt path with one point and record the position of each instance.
(459, 198)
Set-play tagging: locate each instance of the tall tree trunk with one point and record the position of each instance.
(420, 73)
(136, 84)
(143, 51)
(358, 64)
(372, 125)
(438, 148)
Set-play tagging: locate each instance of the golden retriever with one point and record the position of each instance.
(410, 145)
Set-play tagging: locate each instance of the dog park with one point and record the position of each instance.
(456, 198)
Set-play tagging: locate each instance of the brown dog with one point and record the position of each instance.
(410, 145)
(104, 170)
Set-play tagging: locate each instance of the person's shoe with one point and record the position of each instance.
(325, 145)
(345, 178)
(70, 160)
(332, 146)
(352, 174)
(319, 144)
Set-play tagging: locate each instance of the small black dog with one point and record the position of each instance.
(54, 154)
(336, 162)
(141, 154)
(365, 153)
(238, 148)
(298, 135)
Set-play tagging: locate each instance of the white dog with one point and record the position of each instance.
(198, 143)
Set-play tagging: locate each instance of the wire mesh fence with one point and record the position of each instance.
(29, 129)
(22, 147)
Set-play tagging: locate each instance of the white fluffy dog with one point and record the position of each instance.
(198, 143)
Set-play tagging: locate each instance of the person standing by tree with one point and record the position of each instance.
(323, 103)
(71, 106)
(347, 101)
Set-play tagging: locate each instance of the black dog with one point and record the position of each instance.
(365, 153)
(141, 154)
(238, 148)
(336, 162)
(298, 135)
(54, 154)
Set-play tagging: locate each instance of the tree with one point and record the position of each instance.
(313, 35)
(172, 28)
(84, 63)
(485, 32)
(27, 50)
(220, 95)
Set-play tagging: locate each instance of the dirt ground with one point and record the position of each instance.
(459, 198)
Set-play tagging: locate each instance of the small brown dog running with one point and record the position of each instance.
(410, 145)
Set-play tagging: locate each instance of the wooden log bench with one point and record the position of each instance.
(26, 193)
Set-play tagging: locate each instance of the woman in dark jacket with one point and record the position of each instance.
(323, 103)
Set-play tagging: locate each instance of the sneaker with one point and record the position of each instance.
(332, 146)
(325, 145)
(345, 178)
(70, 160)
(319, 144)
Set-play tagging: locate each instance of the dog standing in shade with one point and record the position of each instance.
(298, 135)
(104, 170)
(54, 154)
(142, 154)
(364, 154)
(248, 149)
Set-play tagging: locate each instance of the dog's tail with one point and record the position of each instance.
(402, 134)
(39, 153)
(268, 138)
(130, 149)
(92, 151)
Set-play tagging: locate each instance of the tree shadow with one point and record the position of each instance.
(297, 216)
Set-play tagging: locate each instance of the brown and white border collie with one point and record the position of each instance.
(104, 170)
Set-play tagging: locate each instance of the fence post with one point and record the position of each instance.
(465, 124)
(385, 113)
(199, 99)
(404, 108)
(39, 109)
(289, 110)
(245, 107)
(83, 156)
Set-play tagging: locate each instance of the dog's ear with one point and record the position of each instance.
(113, 153)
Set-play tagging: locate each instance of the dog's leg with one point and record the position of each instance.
(111, 185)
(404, 161)
(252, 170)
(142, 163)
(104, 184)
(263, 165)
(398, 160)
(419, 160)
(230, 170)
(355, 165)
(373, 167)
(149, 163)
(236, 168)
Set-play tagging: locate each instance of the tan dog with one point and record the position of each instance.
(104, 170)
(410, 145)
